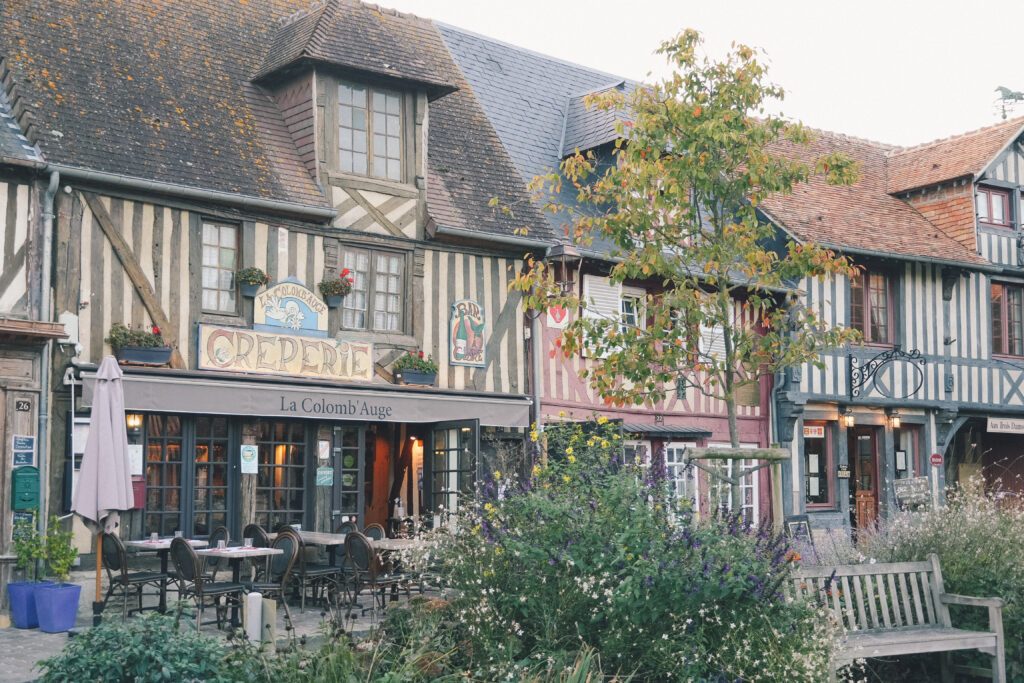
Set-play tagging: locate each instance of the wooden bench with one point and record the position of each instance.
(898, 609)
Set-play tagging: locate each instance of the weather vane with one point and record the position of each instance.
(1007, 99)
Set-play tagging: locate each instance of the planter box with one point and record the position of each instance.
(22, 595)
(145, 355)
(334, 301)
(415, 377)
(57, 606)
(249, 291)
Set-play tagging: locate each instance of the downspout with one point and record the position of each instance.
(536, 349)
(46, 314)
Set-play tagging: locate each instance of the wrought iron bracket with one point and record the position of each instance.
(861, 374)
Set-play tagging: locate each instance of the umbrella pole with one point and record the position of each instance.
(97, 606)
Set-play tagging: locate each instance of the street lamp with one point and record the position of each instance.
(563, 255)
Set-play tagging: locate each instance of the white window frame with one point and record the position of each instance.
(682, 476)
(225, 292)
(751, 481)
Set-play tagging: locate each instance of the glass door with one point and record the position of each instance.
(863, 450)
(452, 464)
(348, 452)
(210, 476)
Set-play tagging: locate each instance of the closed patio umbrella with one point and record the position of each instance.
(104, 483)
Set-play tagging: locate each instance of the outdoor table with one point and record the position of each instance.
(393, 544)
(331, 541)
(235, 555)
(162, 547)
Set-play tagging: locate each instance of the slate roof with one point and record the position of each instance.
(362, 37)
(157, 92)
(526, 96)
(954, 157)
(14, 147)
(588, 128)
(862, 216)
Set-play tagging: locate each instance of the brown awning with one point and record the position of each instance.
(27, 332)
(215, 394)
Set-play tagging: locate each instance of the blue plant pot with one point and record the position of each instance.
(22, 595)
(145, 355)
(57, 606)
(416, 377)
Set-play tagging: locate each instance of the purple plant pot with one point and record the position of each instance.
(57, 606)
(22, 595)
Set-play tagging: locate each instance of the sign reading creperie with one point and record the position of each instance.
(233, 349)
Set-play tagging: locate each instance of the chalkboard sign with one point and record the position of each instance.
(798, 528)
(911, 491)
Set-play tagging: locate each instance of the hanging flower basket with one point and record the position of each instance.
(335, 289)
(250, 280)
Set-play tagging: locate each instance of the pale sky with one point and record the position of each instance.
(902, 71)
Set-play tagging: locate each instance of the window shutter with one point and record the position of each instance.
(711, 342)
(603, 299)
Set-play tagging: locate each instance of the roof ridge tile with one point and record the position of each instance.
(1019, 120)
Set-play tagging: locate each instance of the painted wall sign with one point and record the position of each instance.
(290, 307)
(325, 476)
(466, 334)
(233, 349)
(814, 432)
(250, 459)
(558, 317)
(1006, 425)
(24, 448)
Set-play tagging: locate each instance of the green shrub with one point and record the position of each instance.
(978, 540)
(593, 555)
(121, 336)
(146, 648)
(60, 555)
(28, 547)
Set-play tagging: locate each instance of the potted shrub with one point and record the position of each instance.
(250, 280)
(335, 289)
(57, 604)
(415, 368)
(28, 548)
(138, 346)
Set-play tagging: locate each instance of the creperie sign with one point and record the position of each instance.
(232, 349)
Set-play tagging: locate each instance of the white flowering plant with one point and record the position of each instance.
(592, 553)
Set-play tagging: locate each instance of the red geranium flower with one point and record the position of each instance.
(156, 330)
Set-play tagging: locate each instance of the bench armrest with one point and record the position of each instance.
(954, 599)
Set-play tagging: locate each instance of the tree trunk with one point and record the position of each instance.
(725, 309)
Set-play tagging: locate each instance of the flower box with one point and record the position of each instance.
(415, 377)
(334, 300)
(145, 355)
(249, 290)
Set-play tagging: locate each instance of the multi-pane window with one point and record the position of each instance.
(871, 309)
(369, 132)
(220, 257)
(375, 302)
(907, 440)
(210, 477)
(681, 474)
(1007, 305)
(631, 308)
(817, 465)
(993, 206)
(454, 467)
(747, 493)
(281, 475)
(163, 474)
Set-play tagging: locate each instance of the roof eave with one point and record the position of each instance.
(435, 89)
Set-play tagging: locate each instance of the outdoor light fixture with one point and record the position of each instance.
(133, 421)
(894, 418)
(563, 254)
(848, 420)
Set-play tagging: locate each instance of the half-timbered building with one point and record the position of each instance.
(536, 106)
(932, 395)
(306, 140)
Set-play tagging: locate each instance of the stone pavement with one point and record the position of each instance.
(20, 649)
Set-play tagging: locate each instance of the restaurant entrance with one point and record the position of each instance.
(863, 453)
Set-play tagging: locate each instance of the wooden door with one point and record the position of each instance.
(863, 455)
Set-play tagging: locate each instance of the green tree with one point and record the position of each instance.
(695, 158)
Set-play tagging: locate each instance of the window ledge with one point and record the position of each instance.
(1000, 226)
(396, 339)
(362, 182)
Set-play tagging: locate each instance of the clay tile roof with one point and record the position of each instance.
(157, 91)
(356, 36)
(949, 158)
(862, 216)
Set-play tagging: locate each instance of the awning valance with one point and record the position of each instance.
(214, 394)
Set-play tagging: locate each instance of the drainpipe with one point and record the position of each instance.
(535, 351)
(46, 314)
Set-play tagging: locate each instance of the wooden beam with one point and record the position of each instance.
(135, 274)
(771, 454)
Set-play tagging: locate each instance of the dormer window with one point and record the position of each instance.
(370, 132)
(994, 207)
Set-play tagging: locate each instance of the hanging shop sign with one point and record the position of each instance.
(466, 334)
(290, 307)
(233, 349)
(1005, 425)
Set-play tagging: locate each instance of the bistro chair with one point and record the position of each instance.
(115, 559)
(311, 574)
(258, 534)
(279, 571)
(374, 532)
(213, 563)
(367, 570)
(191, 583)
